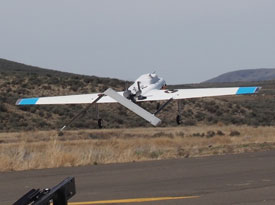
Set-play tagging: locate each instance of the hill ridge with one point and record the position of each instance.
(245, 75)
(12, 66)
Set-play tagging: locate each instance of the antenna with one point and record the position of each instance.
(152, 73)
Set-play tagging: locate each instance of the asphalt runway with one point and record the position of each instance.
(231, 179)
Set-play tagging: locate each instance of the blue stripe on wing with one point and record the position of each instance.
(247, 90)
(28, 101)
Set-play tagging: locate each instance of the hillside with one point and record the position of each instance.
(245, 76)
(19, 80)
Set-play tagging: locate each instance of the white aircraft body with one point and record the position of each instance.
(148, 87)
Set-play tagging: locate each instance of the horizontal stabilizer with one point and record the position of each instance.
(133, 107)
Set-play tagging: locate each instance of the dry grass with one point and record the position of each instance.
(44, 149)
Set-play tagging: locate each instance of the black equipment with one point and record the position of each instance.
(58, 195)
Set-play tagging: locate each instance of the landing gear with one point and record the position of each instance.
(99, 123)
(178, 119)
(99, 120)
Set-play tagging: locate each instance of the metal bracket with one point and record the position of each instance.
(163, 106)
(58, 195)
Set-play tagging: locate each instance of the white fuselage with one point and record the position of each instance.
(147, 82)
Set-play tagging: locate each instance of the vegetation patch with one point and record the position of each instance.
(45, 149)
(21, 81)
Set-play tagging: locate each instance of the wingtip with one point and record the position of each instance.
(247, 90)
(18, 101)
(27, 101)
(258, 89)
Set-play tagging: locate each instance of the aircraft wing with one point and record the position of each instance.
(178, 94)
(67, 99)
(154, 95)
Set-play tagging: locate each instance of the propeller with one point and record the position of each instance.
(139, 89)
(125, 85)
(126, 92)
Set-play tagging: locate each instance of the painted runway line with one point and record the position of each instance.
(120, 201)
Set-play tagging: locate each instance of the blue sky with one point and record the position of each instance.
(183, 41)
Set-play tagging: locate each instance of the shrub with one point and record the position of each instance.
(198, 134)
(210, 134)
(220, 133)
(181, 134)
(235, 133)
(200, 116)
(189, 122)
(3, 108)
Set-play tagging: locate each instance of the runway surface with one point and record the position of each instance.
(231, 179)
